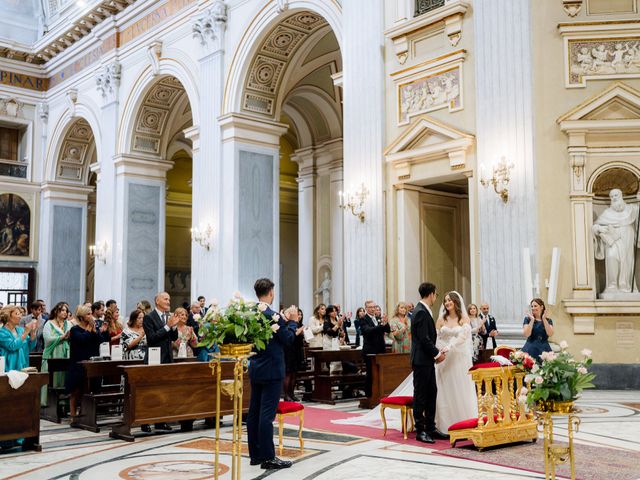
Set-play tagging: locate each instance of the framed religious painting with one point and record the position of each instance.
(16, 225)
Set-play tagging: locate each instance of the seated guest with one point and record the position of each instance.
(186, 335)
(293, 358)
(477, 330)
(537, 328)
(35, 313)
(357, 323)
(16, 342)
(56, 343)
(114, 327)
(133, 339)
(316, 324)
(84, 343)
(400, 330)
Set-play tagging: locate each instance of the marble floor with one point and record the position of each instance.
(609, 419)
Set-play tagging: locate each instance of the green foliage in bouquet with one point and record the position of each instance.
(238, 322)
(560, 377)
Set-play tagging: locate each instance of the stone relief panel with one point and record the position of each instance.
(269, 65)
(66, 254)
(143, 242)
(432, 92)
(603, 59)
(255, 218)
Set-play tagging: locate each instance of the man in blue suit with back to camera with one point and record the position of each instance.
(266, 373)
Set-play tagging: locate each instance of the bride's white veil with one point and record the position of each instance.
(462, 304)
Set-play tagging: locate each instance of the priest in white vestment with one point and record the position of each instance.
(615, 235)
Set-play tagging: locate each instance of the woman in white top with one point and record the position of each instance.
(316, 325)
(477, 330)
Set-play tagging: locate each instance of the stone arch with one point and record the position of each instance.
(77, 140)
(601, 179)
(268, 47)
(149, 106)
(317, 110)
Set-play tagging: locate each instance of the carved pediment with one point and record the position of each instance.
(618, 102)
(427, 139)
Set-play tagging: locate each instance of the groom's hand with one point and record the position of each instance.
(441, 357)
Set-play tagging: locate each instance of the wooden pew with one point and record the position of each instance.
(35, 360)
(53, 410)
(388, 370)
(102, 392)
(323, 381)
(19, 415)
(177, 392)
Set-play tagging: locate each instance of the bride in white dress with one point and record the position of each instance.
(456, 398)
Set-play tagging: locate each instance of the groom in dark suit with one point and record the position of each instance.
(266, 373)
(424, 356)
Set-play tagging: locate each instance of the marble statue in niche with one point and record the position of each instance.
(434, 92)
(607, 57)
(324, 290)
(615, 235)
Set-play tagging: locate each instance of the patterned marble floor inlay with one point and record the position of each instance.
(608, 448)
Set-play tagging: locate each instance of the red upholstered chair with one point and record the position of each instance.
(503, 351)
(405, 404)
(290, 409)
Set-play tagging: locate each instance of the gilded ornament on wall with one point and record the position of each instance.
(426, 94)
(603, 59)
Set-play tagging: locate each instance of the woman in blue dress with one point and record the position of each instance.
(16, 342)
(537, 328)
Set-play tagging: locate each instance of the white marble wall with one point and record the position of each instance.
(363, 136)
(67, 255)
(505, 128)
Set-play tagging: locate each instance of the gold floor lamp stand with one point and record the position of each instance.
(556, 453)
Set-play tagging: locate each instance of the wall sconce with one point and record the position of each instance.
(99, 252)
(354, 201)
(499, 179)
(203, 235)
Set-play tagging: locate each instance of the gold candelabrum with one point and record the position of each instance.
(499, 179)
(556, 453)
(232, 388)
(354, 201)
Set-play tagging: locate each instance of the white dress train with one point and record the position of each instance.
(456, 398)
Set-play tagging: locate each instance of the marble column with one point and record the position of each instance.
(408, 228)
(363, 136)
(140, 229)
(305, 159)
(505, 128)
(206, 267)
(63, 251)
(336, 185)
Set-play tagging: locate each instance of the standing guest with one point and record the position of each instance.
(316, 325)
(114, 326)
(332, 336)
(84, 343)
(400, 326)
(97, 313)
(410, 307)
(203, 305)
(373, 330)
(161, 329)
(144, 306)
(45, 315)
(56, 344)
(35, 313)
(378, 312)
(537, 328)
(293, 358)
(491, 330)
(133, 339)
(346, 323)
(112, 305)
(266, 371)
(194, 322)
(15, 341)
(186, 335)
(477, 330)
(357, 323)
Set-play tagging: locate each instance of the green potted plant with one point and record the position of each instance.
(236, 328)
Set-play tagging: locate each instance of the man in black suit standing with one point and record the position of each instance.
(266, 373)
(373, 330)
(160, 328)
(424, 356)
(490, 327)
